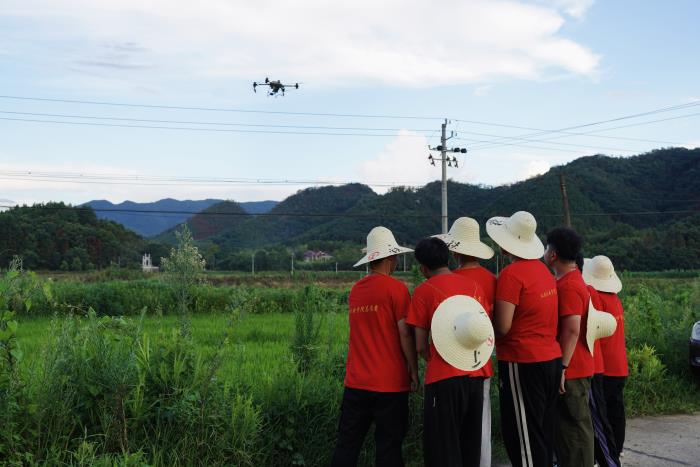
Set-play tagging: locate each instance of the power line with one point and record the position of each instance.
(217, 130)
(601, 122)
(330, 215)
(186, 122)
(217, 109)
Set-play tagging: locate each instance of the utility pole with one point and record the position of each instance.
(565, 200)
(252, 263)
(446, 162)
(292, 263)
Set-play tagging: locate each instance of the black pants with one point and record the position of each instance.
(606, 453)
(388, 411)
(528, 399)
(615, 402)
(452, 411)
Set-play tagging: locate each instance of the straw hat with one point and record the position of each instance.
(462, 333)
(380, 244)
(600, 273)
(463, 238)
(516, 235)
(599, 325)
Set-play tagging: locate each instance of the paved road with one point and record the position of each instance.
(667, 441)
(672, 440)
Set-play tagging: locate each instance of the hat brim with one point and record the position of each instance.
(612, 284)
(376, 255)
(446, 343)
(499, 233)
(475, 249)
(594, 316)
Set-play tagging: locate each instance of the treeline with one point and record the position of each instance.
(57, 236)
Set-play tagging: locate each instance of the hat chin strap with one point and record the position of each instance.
(471, 329)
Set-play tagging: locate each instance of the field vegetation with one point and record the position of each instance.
(129, 371)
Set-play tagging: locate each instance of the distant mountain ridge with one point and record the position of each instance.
(638, 209)
(177, 212)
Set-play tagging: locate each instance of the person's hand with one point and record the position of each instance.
(562, 387)
(415, 382)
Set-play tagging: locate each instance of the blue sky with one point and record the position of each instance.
(546, 64)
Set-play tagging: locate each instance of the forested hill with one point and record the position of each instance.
(56, 236)
(644, 211)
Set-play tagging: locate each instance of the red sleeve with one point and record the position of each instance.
(508, 288)
(402, 300)
(570, 302)
(418, 314)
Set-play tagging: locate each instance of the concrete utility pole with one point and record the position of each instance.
(292, 263)
(252, 263)
(446, 162)
(565, 200)
(443, 153)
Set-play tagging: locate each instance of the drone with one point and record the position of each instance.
(275, 86)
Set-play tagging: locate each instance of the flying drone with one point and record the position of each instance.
(275, 86)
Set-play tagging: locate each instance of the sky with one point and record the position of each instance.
(377, 78)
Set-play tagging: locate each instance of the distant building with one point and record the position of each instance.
(311, 255)
(147, 265)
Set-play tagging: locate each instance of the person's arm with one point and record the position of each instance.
(569, 328)
(422, 347)
(408, 346)
(502, 317)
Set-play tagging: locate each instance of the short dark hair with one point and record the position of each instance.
(566, 242)
(432, 253)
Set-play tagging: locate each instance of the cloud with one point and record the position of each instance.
(399, 42)
(483, 90)
(574, 8)
(403, 161)
(533, 168)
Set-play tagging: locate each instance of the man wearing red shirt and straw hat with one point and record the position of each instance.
(381, 365)
(599, 272)
(466, 246)
(529, 356)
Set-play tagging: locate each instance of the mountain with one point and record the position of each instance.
(57, 236)
(258, 207)
(6, 204)
(150, 225)
(143, 222)
(643, 210)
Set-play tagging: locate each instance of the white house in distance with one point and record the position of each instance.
(147, 265)
(312, 255)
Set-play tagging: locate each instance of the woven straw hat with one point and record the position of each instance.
(599, 272)
(462, 333)
(380, 244)
(599, 325)
(516, 234)
(463, 238)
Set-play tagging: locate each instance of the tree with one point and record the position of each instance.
(183, 267)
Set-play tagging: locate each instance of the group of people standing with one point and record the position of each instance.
(558, 336)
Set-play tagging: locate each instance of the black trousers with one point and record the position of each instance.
(452, 411)
(615, 402)
(388, 411)
(528, 400)
(606, 453)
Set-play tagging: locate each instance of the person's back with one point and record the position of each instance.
(453, 397)
(533, 334)
(375, 360)
(381, 366)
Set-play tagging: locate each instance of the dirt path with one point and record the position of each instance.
(667, 441)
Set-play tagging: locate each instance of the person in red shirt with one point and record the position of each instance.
(382, 365)
(529, 356)
(599, 272)
(466, 246)
(575, 438)
(453, 398)
(605, 449)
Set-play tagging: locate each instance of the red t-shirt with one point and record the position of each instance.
(598, 362)
(426, 298)
(375, 358)
(614, 350)
(487, 281)
(573, 300)
(528, 284)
